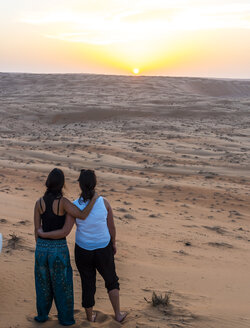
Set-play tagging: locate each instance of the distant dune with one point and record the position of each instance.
(219, 88)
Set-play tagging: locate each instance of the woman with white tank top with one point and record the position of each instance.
(95, 246)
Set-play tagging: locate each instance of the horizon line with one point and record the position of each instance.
(126, 75)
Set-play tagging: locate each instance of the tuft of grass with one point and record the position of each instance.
(13, 241)
(159, 300)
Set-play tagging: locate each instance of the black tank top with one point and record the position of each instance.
(51, 221)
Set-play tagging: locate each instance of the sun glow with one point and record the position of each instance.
(117, 37)
(136, 71)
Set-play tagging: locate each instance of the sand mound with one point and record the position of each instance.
(218, 88)
(95, 115)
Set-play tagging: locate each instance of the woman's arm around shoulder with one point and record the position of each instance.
(74, 210)
(111, 224)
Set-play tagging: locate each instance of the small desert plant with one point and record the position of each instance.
(159, 300)
(13, 241)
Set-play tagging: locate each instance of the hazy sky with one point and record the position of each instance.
(158, 37)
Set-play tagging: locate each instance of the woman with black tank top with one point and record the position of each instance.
(53, 272)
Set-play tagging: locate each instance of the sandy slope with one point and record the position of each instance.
(172, 157)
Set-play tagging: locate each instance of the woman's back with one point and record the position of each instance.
(92, 233)
(50, 220)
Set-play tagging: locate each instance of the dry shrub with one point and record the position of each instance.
(13, 241)
(160, 300)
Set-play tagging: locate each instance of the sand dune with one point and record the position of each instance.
(218, 88)
(171, 155)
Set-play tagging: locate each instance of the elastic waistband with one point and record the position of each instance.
(51, 242)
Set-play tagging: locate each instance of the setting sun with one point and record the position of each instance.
(191, 38)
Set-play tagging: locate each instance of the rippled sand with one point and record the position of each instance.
(172, 157)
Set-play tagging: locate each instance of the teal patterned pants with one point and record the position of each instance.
(53, 278)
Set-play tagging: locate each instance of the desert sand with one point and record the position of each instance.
(171, 155)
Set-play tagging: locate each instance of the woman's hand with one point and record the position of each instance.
(40, 232)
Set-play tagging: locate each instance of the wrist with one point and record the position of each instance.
(40, 233)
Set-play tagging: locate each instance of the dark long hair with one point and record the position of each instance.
(87, 183)
(55, 183)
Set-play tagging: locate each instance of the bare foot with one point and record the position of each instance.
(93, 317)
(121, 316)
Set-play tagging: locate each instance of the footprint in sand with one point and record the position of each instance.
(102, 321)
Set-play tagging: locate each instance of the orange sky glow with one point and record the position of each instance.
(160, 37)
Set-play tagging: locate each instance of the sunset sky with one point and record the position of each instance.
(147, 37)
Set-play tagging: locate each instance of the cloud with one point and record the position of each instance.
(89, 38)
(118, 23)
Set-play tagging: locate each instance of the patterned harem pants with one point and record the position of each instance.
(53, 279)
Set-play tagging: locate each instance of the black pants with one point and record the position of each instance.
(87, 263)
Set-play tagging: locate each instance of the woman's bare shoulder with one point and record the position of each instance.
(40, 204)
(64, 199)
(39, 201)
(106, 202)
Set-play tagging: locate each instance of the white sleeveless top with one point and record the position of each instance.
(92, 233)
